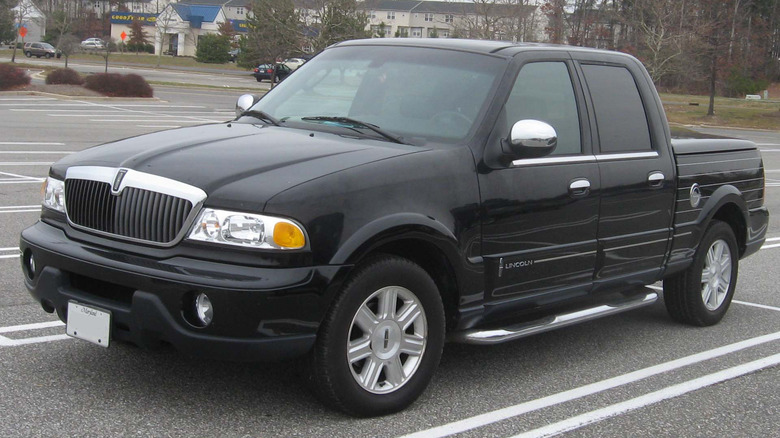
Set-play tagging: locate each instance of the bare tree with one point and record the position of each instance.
(165, 22)
(274, 31)
(68, 44)
(22, 12)
(655, 22)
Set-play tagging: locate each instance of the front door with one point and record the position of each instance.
(540, 215)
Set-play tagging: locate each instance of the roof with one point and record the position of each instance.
(501, 48)
(194, 13)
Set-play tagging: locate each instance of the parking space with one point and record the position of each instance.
(634, 374)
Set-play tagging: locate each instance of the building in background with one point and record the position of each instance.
(32, 19)
(180, 25)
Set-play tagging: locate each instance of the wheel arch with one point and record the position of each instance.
(727, 205)
(420, 239)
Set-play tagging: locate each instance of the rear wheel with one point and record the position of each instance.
(702, 294)
(381, 341)
(28, 54)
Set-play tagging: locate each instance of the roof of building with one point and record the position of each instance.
(191, 12)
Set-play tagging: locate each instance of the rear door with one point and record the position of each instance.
(637, 174)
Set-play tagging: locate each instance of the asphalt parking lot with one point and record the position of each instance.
(634, 374)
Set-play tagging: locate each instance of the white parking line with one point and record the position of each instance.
(26, 163)
(34, 326)
(30, 143)
(165, 120)
(22, 210)
(7, 342)
(11, 256)
(760, 306)
(652, 398)
(593, 388)
(37, 152)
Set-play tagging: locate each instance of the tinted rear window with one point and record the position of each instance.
(620, 113)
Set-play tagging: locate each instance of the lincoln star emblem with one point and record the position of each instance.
(120, 174)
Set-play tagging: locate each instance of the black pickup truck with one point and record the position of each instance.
(391, 195)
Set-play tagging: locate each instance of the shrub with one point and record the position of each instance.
(739, 84)
(213, 49)
(64, 76)
(116, 85)
(139, 47)
(11, 77)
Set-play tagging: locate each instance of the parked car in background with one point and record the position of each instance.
(234, 54)
(294, 63)
(264, 71)
(39, 49)
(93, 44)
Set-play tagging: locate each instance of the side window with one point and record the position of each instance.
(620, 113)
(543, 91)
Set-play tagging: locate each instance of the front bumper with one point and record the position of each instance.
(260, 313)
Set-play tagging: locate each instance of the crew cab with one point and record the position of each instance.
(392, 195)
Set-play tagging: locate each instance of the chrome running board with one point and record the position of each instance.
(496, 336)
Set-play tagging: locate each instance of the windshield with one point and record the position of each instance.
(417, 94)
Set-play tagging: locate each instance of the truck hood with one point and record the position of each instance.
(238, 165)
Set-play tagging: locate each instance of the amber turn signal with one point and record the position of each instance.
(289, 236)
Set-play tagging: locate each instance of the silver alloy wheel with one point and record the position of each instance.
(716, 275)
(387, 339)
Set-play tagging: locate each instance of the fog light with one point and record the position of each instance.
(203, 309)
(29, 262)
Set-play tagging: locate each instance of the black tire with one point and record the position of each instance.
(48, 55)
(684, 293)
(28, 54)
(336, 380)
(258, 79)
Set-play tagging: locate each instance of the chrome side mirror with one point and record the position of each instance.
(532, 138)
(244, 102)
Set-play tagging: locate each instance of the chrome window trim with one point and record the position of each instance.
(554, 160)
(584, 158)
(144, 181)
(626, 156)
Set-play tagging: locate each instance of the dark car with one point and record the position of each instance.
(264, 71)
(39, 49)
(390, 196)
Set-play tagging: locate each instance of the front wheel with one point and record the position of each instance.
(28, 54)
(701, 294)
(381, 341)
(48, 55)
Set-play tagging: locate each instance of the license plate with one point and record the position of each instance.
(89, 323)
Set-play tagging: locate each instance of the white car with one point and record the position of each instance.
(93, 44)
(294, 63)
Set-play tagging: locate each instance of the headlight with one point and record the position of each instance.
(247, 230)
(54, 194)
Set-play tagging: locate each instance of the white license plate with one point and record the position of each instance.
(89, 323)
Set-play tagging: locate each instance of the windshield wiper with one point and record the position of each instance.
(262, 115)
(357, 124)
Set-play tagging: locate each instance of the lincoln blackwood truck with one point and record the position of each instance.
(393, 194)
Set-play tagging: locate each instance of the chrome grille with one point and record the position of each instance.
(134, 213)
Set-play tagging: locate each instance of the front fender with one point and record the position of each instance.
(395, 227)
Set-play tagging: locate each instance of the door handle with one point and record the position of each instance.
(579, 187)
(656, 179)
